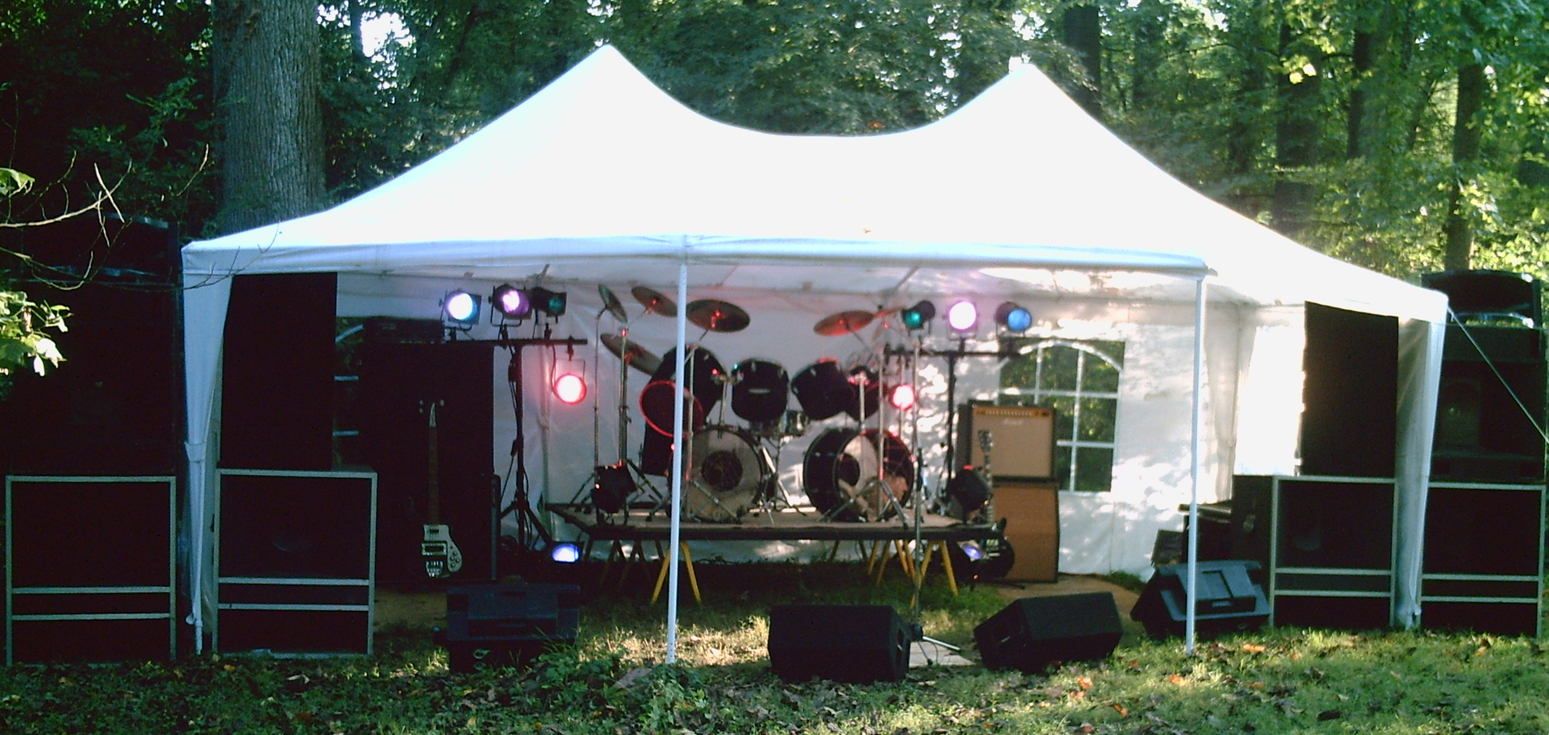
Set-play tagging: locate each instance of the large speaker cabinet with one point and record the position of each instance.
(1033, 632)
(1484, 554)
(849, 643)
(115, 406)
(1350, 394)
(1032, 513)
(397, 383)
(90, 571)
(1327, 544)
(295, 559)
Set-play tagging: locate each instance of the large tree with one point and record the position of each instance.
(267, 72)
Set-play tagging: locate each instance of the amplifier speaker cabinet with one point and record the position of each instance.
(90, 568)
(1327, 544)
(508, 624)
(1033, 632)
(848, 643)
(295, 554)
(1484, 553)
(1032, 511)
(1022, 440)
(1229, 599)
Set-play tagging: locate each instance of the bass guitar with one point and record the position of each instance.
(441, 556)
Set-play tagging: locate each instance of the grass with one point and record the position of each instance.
(613, 681)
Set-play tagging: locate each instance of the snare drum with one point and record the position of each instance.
(727, 477)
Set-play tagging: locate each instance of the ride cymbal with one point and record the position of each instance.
(632, 354)
(718, 316)
(654, 301)
(844, 322)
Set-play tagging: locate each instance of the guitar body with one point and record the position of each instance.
(441, 556)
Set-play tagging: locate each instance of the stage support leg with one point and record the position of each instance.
(688, 564)
(946, 564)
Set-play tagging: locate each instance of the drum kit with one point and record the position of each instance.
(850, 473)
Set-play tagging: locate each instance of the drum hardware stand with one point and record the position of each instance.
(952, 356)
(521, 503)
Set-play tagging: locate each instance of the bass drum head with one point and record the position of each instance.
(840, 474)
(727, 476)
(656, 406)
(760, 392)
(703, 378)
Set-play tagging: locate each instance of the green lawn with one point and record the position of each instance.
(612, 681)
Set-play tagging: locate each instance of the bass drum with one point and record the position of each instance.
(728, 475)
(840, 473)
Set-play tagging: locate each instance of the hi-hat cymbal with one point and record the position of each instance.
(718, 316)
(654, 301)
(632, 354)
(844, 322)
(610, 303)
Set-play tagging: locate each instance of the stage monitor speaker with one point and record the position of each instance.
(278, 375)
(1034, 632)
(115, 406)
(91, 568)
(1350, 394)
(1022, 440)
(508, 624)
(1229, 599)
(847, 643)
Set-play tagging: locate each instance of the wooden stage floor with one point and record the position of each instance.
(784, 525)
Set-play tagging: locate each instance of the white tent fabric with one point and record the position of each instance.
(603, 179)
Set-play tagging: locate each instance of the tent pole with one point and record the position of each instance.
(1195, 418)
(678, 446)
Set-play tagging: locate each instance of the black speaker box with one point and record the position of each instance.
(847, 643)
(1475, 293)
(508, 624)
(115, 406)
(1350, 419)
(1034, 632)
(1482, 433)
(1230, 599)
(397, 382)
(277, 390)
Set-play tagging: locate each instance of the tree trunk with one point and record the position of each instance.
(266, 66)
(1150, 31)
(1465, 152)
(1296, 142)
(1082, 31)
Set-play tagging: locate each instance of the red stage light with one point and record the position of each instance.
(902, 397)
(570, 388)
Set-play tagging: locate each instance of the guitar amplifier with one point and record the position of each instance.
(1022, 440)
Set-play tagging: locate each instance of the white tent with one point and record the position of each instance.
(603, 179)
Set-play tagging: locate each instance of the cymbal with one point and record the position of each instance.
(635, 356)
(654, 301)
(718, 316)
(844, 322)
(610, 303)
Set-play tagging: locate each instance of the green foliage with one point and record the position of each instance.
(24, 333)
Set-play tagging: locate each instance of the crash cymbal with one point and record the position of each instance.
(610, 303)
(844, 322)
(718, 316)
(632, 354)
(654, 301)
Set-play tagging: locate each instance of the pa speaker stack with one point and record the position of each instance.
(1485, 504)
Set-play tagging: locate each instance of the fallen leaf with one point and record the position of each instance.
(1179, 680)
(1083, 682)
(1253, 648)
(1120, 709)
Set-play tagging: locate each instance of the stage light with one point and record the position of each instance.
(460, 308)
(570, 388)
(548, 302)
(1013, 317)
(511, 302)
(915, 317)
(969, 489)
(565, 552)
(902, 397)
(963, 316)
(972, 550)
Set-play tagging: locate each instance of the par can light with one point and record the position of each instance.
(962, 316)
(1013, 317)
(460, 308)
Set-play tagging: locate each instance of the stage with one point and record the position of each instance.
(887, 537)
